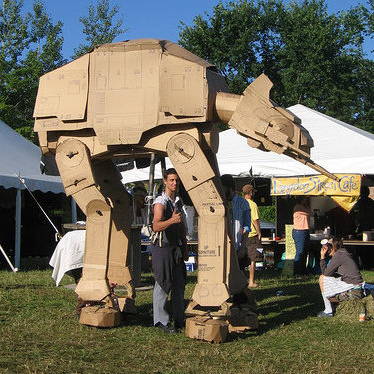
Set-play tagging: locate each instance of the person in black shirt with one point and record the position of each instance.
(169, 251)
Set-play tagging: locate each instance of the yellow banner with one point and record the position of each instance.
(346, 202)
(317, 185)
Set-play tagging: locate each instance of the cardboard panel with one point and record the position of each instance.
(63, 92)
(183, 88)
(74, 165)
(158, 138)
(189, 160)
(91, 142)
(216, 83)
(108, 181)
(93, 284)
(55, 124)
(124, 95)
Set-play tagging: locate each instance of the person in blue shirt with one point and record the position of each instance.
(240, 213)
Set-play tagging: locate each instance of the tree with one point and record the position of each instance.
(13, 32)
(102, 25)
(238, 38)
(312, 57)
(31, 47)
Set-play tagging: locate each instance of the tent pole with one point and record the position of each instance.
(73, 205)
(150, 196)
(17, 254)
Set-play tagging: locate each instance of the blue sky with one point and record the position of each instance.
(148, 18)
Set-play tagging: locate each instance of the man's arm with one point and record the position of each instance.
(246, 217)
(256, 220)
(256, 224)
(158, 214)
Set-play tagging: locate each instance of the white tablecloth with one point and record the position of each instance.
(68, 254)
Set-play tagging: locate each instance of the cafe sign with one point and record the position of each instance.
(317, 185)
(345, 192)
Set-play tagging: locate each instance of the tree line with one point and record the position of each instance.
(313, 57)
(31, 45)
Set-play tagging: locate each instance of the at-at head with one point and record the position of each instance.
(266, 125)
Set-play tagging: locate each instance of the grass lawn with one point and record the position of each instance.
(39, 333)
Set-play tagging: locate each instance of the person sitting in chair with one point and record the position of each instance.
(341, 278)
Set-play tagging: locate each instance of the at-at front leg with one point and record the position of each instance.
(219, 275)
(97, 189)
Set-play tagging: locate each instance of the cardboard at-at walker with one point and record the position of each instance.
(130, 99)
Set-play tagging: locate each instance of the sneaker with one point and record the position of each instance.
(324, 315)
(166, 329)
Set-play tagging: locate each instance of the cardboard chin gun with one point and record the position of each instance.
(134, 98)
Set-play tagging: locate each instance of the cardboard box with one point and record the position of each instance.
(100, 316)
(206, 328)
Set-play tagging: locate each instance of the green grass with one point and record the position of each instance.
(39, 333)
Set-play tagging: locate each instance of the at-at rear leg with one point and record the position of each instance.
(97, 189)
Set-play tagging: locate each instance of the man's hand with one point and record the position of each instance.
(176, 217)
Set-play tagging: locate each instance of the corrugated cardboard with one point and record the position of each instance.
(100, 317)
(94, 283)
(206, 328)
(63, 92)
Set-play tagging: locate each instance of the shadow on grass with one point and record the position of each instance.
(144, 315)
(297, 302)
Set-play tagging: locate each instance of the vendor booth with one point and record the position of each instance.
(339, 208)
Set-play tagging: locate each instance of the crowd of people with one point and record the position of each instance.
(340, 278)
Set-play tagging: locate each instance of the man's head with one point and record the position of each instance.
(248, 191)
(171, 180)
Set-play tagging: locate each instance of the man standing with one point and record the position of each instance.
(240, 213)
(169, 250)
(253, 240)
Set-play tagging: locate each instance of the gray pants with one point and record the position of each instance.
(160, 314)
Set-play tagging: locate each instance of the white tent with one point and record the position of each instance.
(20, 159)
(338, 147)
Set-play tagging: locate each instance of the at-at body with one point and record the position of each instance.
(135, 98)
